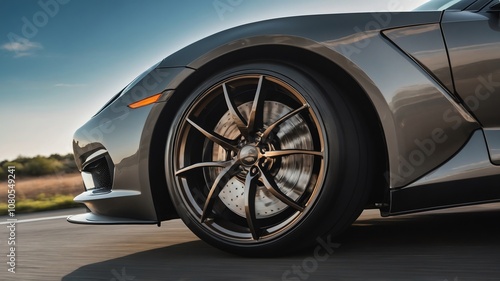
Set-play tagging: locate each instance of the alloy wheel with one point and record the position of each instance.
(250, 157)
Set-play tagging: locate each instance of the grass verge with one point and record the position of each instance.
(44, 193)
(41, 203)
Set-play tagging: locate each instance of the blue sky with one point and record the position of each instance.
(61, 60)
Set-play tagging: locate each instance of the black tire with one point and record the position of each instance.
(272, 178)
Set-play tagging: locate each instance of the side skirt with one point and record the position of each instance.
(466, 179)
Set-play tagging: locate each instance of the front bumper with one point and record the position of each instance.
(112, 151)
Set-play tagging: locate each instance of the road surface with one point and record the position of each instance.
(455, 245)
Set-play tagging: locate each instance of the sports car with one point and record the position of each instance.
(267, 137)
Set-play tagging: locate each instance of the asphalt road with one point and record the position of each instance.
(454, 245)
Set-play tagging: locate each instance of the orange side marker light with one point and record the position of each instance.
(144, 102)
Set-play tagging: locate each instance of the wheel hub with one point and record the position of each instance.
(291, 179)
(248, 155)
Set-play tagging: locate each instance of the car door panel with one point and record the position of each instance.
(473, 41)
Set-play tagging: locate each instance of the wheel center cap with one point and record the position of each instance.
(248, 155)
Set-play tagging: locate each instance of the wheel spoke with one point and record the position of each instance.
(271, 185)
(225, 175)
(238, 119)
(287, 116)
(256, 119)
(218, 139)
(249, 157)
(250, 193)
(286, 152)
(219, 164)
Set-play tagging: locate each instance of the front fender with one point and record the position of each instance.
(422, 123)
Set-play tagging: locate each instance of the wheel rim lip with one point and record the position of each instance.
(292, 220)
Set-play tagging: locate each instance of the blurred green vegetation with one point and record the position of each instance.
(41, 203)
(40, 165)
(37, 166)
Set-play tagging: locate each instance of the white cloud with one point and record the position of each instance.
(22, 48)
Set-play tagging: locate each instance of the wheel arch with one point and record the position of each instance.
(297, 56)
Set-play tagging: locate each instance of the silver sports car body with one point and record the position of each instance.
(285, 130)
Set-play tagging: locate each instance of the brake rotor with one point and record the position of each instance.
(292, 173)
